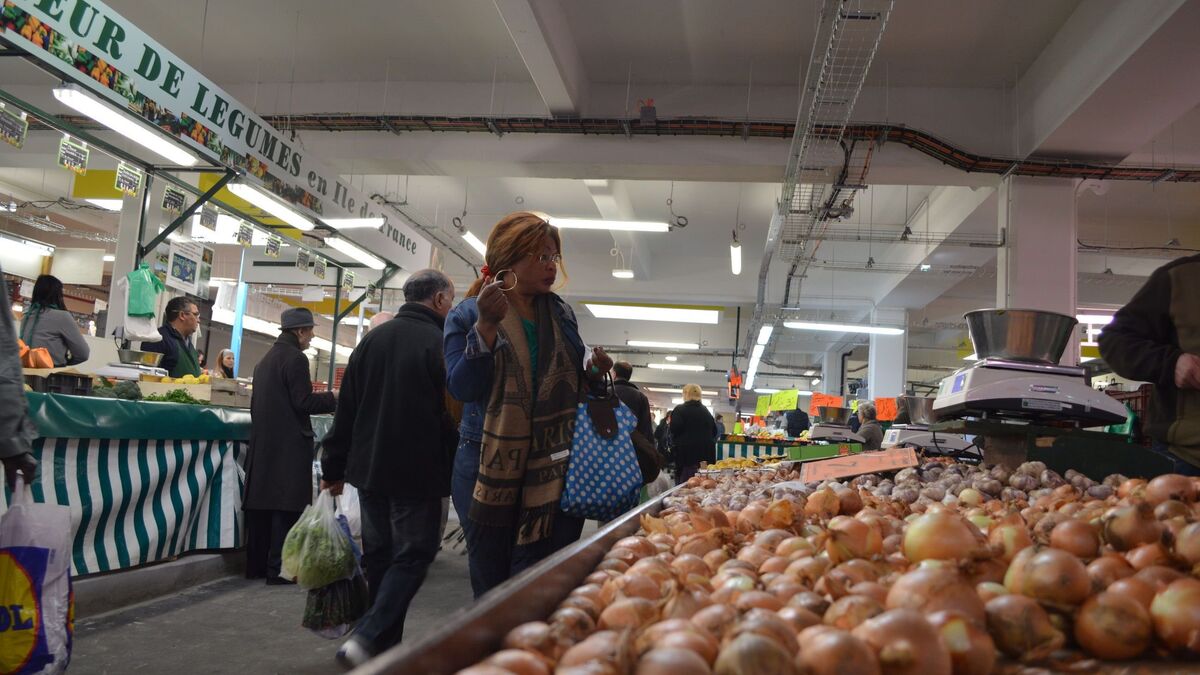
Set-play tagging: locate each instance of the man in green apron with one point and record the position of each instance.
(180, 321)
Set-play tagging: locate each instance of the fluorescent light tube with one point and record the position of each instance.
(662, 345)
(622, 274)
(815, 381)
(757, 353)
(271, 205)
(664, 390)
(354, 223)
(735, 258)
(1094, 319)
(672, 359)
(765, 390)
(108, 257)
(354, 251)
(33, 247)
(809, 373)
(474, 242)
(764, 334)
(106, 204)
(124, 123)
(597, 224)
(926, 268)
(677, 366)
(843, 327)
(804, 393)
(653, 313)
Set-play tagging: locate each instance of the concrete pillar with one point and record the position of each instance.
(831, 373)
(1036, 269)
(887, 358)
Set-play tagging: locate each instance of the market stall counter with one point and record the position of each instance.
(145, 481)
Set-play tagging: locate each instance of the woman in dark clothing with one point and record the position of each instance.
(692, 432)
(48, 324)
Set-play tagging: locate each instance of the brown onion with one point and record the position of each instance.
(671, 661)
(1187, 544)
(941, 536)
(799, 618)
(770, 539)
(990, 589)
(972, 651)
(1021, 628)
(823, 504)
(684, 603)
(932, 590)
(837, 653)
(1127, 527)
(628, 613)
(813, 602)
(754, 555)
(1172, 508)
(792, 547)
(519, 662)
(1076, 537)
(536, 636)
(1176, 615)
(1010, 538)
(606, 646)
(584, 604)
(657, 631)
(689, 564)
(640, 546)
(769, 625)
(613, 564)
(751, 653)
(1136, 589)
(1170, 486)
(848, 612)
(852, 538)
(715, 558)
(784, 587)
(1113, 627)
(698, 641)
(716, 619)
(906, 643)
(1148, 555)
(870, 589)
(762, 599)
(808, 570)
(572, 624)
(1051, 576)
(484, 669)
(1106, 569)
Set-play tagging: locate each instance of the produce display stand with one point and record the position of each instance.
(471, 634)
(1093, 453)
(144, 481)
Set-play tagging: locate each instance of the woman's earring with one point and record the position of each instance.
(500, 276)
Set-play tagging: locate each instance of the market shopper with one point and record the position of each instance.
(181, 318)
(720, 427)
(280, 462)
(48, 324)
(379, 319)
(632, 396)
(692, 431)
(796, 422)
(870, 429)
(1156, 338)
(515, 358)
(16, 429)
(393, 439)
(662, 438)
(224, 369)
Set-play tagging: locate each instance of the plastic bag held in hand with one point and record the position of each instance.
(317, 551)
(37, 609)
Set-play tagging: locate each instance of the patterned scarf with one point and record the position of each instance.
(527, 428)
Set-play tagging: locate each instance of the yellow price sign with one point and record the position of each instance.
(785, 400)
(763, 406)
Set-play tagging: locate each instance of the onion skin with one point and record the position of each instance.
(1187, 544)
(1021, 628)
(751, 653)
(848, 612)
(1139, 590)
(698, 641)
(1077, 538)
(1148, 555)
(932, 590)
(1113, 627)
(837, 653)
(1127, 527)
(905, 643)
(716, 619)
(1170, 486)
(972, 651)
(1051, 576)
(851, 538)
(941, 536)
(632, 613)
(799, 618)
(1106, 570)
(1010, 538)
(538, 637)
(1176, 615)
(672, 661)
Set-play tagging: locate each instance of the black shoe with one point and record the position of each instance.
(279, 581)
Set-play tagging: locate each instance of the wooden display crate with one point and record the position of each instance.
(200, 392)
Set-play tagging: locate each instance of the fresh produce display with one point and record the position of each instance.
(187, 379)
(944, 568)
(122, 389)
(733, 463)
(175, 396)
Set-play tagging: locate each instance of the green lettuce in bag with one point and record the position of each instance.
(316, 552)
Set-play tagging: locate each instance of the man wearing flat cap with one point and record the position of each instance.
(282, 447)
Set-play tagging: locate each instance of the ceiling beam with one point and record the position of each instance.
(542, 35)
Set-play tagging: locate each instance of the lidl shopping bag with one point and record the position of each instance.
(37, 606)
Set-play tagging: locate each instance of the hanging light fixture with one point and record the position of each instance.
(152, 139)
(735, 255)
(271, 204)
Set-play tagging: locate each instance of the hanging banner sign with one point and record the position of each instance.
(173, 200)
(347, 282)
(245, 234)
(302, 260)
(129, 179)
(785, 400)
(183, 270)
(274, 243)
(13, 128)
(73, 155)
(89, 43)
(762, 407)
(372, 294)
(208, 218)
(319, 267)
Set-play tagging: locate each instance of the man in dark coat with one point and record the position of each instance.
(394, 440)
(633, 397)
(279, 465)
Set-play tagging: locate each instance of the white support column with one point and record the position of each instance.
(887, 360)
(831, 373)
(1036, 269)
(124, 260)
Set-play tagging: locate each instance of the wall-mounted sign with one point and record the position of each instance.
(245, 234)
(319, 267)
(13, 128)
(173, 200)
(183, 267)
(274, 243)
(73, 155)
(302, 260)
(129, 179)
(89, 43)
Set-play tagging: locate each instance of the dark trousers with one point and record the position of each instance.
(1181, 466)
(265, 532)
(686, 471)
(492, 554)
(400, 540)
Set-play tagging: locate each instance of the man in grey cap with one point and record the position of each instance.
(279, 464)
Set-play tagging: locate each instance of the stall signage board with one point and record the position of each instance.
(274, 243)
(302, 260)
(347, 282)
(73, 155)
(762, 407)
(892, 459)
(785, 400)
(13, 128)
(129, 179)
(173, 200)
(318, 267)
(89, 43)
(183, 266)
(208, 218)
(245, 234)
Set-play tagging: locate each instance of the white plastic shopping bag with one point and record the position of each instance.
(348, 506)
(37, 606)
(316, 551)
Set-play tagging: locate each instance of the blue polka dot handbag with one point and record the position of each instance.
(603, 477)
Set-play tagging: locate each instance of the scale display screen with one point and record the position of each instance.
(960, 381)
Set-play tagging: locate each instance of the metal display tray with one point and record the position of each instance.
(473, 633)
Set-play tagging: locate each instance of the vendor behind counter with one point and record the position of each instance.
(180, 321)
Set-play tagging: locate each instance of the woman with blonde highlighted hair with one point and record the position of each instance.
(515, 359)
(693, 431)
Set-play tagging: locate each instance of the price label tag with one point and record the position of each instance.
(73, 155)
(245, 235)
(302, 260)
(892, 459)
(273, 245)
(13, 128)
(319, 267)
(173, 200)
(129, 179)
(208, 218)
(372, 294)
(347, 282)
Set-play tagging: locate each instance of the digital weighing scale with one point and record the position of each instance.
(129, 371)
(833, 426)
(913, 431)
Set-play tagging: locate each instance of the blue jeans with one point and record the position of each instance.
(492, 554)
(400, 539)
(1182, 467)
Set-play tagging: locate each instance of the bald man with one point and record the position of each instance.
(379, 319)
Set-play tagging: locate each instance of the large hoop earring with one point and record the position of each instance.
(514, 281)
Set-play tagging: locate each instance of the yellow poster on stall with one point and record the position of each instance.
(763, 406)
(785, 400)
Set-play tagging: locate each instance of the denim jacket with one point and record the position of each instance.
(469, 361)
